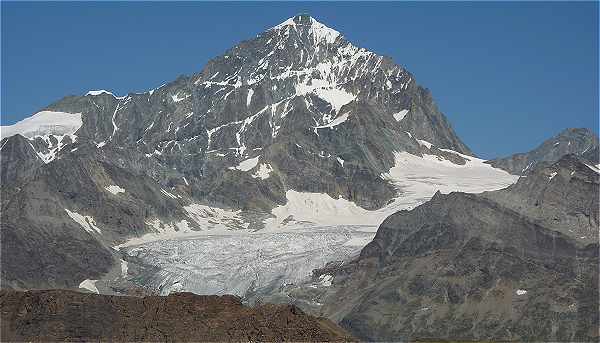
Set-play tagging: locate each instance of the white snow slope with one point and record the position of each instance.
(416, 178)
(44, 123)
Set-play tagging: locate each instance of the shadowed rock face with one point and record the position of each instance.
(581, 142)
(43, 247)
(19, 160)
(59, 315)
(514, 264)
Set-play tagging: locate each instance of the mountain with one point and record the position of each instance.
(517, 264)
(582, 142)
(295, 127)
(59, 315)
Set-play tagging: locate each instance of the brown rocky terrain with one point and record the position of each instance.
(61, 315)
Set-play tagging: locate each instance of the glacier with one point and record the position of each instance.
(306, 233)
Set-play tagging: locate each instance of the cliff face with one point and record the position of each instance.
(60, 315)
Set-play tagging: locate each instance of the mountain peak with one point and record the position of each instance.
(307, 24)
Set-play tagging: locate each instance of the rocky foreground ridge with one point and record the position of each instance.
(60, 315)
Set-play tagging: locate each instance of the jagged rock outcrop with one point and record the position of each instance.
(58, 315)
(582, 142)
(515, 264)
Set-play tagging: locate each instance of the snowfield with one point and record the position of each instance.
(310, 230)
(44, 123)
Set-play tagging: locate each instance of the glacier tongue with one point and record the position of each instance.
(246, 263)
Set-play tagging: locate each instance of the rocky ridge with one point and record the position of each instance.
(579, 141)
(58, 315)
(515, 264)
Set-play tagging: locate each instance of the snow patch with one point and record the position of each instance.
(400, 115)
(102, 91)
(90, 285)
(170, 195)
(177, 98)
(335, 96)
(595, 169)
(52, 148)
(325, 280)
(124, 268)
(246, 165)
(249, 97)
(114, 189)
(318, 208)
(420, 177)
(319, 31)
(337, 121)
(44, 123)
(86, 222)
(425, 143)
(521, 292)
(263, 172)
(208, 217)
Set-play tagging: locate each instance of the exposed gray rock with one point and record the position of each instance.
(581, 142)
(514, 264)
(18, 159)
(265, 97)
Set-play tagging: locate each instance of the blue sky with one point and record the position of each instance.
(507, 75)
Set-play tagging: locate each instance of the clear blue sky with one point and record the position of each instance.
(507, 75)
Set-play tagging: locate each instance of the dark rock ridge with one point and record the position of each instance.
(581, 142)
(59, 315)
(518, 264)
(297, 99)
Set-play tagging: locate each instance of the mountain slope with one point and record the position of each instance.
(514, 264)
(299, 85)
(294, 119)
(582, 142)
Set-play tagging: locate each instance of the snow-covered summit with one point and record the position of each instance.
(102, 91)
(312, 26)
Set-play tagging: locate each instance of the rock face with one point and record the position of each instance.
(581, 142)
(515, 264)
(296, 108)
(70, 316)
